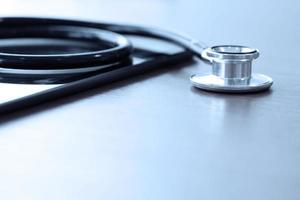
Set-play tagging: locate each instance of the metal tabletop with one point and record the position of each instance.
(155, 136)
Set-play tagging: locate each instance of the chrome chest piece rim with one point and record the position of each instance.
(231, 71)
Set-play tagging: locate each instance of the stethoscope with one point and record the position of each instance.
(231, 64)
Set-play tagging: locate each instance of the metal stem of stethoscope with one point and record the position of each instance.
(231, 70)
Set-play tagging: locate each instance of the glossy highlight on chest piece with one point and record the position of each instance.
(231, 71)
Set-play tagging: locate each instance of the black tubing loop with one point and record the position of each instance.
(113, 49)
(118, 47)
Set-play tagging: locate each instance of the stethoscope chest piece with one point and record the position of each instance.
(231, 71)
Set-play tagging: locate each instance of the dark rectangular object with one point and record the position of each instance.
(21, 96)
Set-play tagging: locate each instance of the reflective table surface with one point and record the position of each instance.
(155, 136)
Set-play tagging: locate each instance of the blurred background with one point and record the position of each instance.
(254, 160)
(214, 22)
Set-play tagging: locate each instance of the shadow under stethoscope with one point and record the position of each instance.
(233, 110)
(225, 94)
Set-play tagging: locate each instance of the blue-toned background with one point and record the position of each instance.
(155, 137)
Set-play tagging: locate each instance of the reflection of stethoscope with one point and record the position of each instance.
(231, 64)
